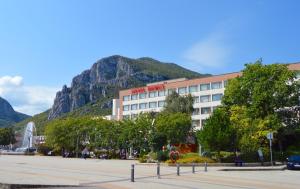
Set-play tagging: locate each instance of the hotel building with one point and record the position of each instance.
(207, 93)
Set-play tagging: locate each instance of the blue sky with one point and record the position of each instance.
(44, 44)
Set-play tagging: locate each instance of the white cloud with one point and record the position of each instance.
(211, 52)
(26, 99)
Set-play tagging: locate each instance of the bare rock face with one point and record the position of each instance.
(106, 77)
(92, 84)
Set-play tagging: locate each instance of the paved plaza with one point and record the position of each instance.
(95, 173)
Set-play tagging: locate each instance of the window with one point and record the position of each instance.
(193, 88)
(206, 110)
(216, 85)
(126, 116)
(161, 103)
(152, 94)
(205, 98)
(134, 97)
(152, 104)
(225, 83)
(143, 95)
(143, 105)
(161, 93)
(203, 121)
(195, 123)
(134, 107)
(217, 97)
(182, 90)
(196, 99)
(205, 87)
(126, 108)
(170, 91)
(133, 116)
(196, 111)
(126, 98)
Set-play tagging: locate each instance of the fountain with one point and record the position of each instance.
(28, 137)
(27, 142)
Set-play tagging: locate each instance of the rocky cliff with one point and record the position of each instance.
(8, 115)
(107, 76)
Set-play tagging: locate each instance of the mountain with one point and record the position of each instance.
(91, 92)
(8, 116)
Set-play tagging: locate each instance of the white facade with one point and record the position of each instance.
(207, 96)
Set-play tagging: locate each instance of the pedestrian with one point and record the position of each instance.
(85, 152)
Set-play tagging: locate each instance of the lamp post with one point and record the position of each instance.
(77, 141)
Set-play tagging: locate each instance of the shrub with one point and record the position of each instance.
(43, 149)
(162, 155)
(188, 155)
(192, 158)
(143, 159)
(227, 157)
(152, 155)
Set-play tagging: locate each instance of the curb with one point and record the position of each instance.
(18, 186)
(255, 169)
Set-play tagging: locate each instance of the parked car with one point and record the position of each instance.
(293, 162)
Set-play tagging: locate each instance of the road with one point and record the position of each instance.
(93, 173)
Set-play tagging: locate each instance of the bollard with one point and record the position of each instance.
(158, 170)
(178, 169)
(205, 167)
(132, 172)
(193, 168)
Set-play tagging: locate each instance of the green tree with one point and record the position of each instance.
(177, 103)
(262, 89)
(7, 136)
(137, 133)
(217, 134)
(175, 126)
(70, 133)
(254, 99)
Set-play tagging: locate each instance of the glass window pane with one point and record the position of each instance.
(217, 97)
(204, 87)
(143, 95)
(216, 85)
(134, 97)
(126, 98)
(134, 116)
(205, 98)
(134, 107)
(161, 103)
(152, 94)
(196, 99)
(152, 104)
(225, 83)
(182, 90)
(143, 105)
(193, 88)
(161, 93)
(206, 110)
(196, 111)
(195, 123)
(126, 108)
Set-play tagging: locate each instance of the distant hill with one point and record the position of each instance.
(8, 116)
(100, 84)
